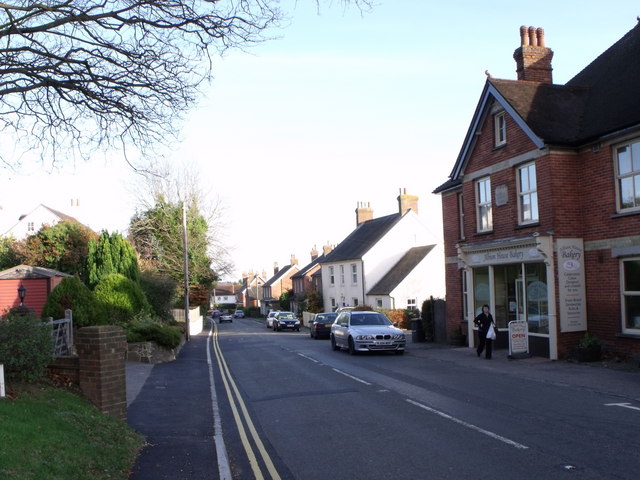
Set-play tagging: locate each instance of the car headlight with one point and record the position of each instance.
(364, 337)
(399, 336)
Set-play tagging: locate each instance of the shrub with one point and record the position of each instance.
(122, 299)
(160, 291)
(400, 317)
(167, 336)
(72, 293)
(26, 347)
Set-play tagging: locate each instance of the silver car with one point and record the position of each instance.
(363, 331)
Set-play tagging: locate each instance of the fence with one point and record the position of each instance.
(62, 335)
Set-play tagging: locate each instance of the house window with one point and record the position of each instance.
(341, 274)
(354, 274)
(628, 165)
(342, 302)
(461, 215)
(527, 194)
(500, 129)
(31, 227)
(485, 220)
(411, 303)
(355, 301)
(333, 303)
(379, 302)
(630, 273)
(332, 278)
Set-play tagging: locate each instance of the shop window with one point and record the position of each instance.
(631, 296)
(527, 194)
(628, 171)
(483, 192)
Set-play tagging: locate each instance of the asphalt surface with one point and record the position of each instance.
(171, 406)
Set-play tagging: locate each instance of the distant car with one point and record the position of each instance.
(239, 314)
(270, 318)
(321, 326)
(285, 321)
(226, 317)
(215, 313)
(344, 309)
(366, 332)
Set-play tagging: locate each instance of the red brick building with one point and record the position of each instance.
(542, 208)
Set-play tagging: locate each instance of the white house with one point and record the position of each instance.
(387, 262)
(30, 223)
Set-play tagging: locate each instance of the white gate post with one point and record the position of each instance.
(2, 393)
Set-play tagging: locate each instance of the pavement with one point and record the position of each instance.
(165, 401)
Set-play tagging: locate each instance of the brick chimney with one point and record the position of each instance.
(533, 59)
(407, 202)
(326, 250)
(294, 260)
(276, 268)
(363, 213)
(314, 253)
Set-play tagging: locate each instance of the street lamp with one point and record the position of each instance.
(22, 292)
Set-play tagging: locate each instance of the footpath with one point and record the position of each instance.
(170, 403)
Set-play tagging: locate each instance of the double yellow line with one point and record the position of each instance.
(236, 401)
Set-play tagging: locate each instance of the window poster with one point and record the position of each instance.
(571, 285)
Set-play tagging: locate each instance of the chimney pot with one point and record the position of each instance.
(540, 37)
(524, 35)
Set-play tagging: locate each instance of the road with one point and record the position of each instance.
(292, 408)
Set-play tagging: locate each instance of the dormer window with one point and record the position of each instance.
(500, 129)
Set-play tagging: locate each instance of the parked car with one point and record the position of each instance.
(366, 332)
(226, 317)
(321, 326)
(286, 321)
(239, 314)
(270, 318)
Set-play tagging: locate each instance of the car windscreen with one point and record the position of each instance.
(285, 315)
(360, 319)
(326, 318)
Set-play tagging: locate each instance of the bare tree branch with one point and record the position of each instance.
(91, 74)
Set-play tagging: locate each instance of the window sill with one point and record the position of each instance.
(626, 214)
(483, 233)
(630, 336)
(499, 147)
(521, 226)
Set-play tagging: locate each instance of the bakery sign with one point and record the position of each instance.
(571, 285)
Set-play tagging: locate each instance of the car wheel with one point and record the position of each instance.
(399, 352)
(352, 347)
(334, 346)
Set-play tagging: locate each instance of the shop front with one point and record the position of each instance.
(515, 277)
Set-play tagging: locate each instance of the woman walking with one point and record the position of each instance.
(483, 321)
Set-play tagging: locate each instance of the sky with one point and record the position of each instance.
(342, 107)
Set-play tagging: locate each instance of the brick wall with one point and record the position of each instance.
(102, 373)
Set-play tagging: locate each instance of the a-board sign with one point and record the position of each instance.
(518, 338)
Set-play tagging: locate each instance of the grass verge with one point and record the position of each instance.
(57, 434)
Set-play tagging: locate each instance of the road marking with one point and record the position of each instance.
(469, 425)
(350, 376)
(623, 405)
(308, 358)
(224, 470)
(232, 389)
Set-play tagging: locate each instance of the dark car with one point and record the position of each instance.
(284, 321)
(321, 326)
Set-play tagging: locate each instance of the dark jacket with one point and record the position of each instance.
(483, 321)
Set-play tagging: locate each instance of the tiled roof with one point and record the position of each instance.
(278, 275)
(27, 271)
(307, 268)
(365, 236)
(400, 270)
(599, 100)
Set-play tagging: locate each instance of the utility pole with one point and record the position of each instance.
(187, 335)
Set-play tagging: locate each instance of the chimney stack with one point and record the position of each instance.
(314, 253)
(326, 250)
(294, 260)
(276, 268)
(364, 213)
(533, 58)
(407, 202)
